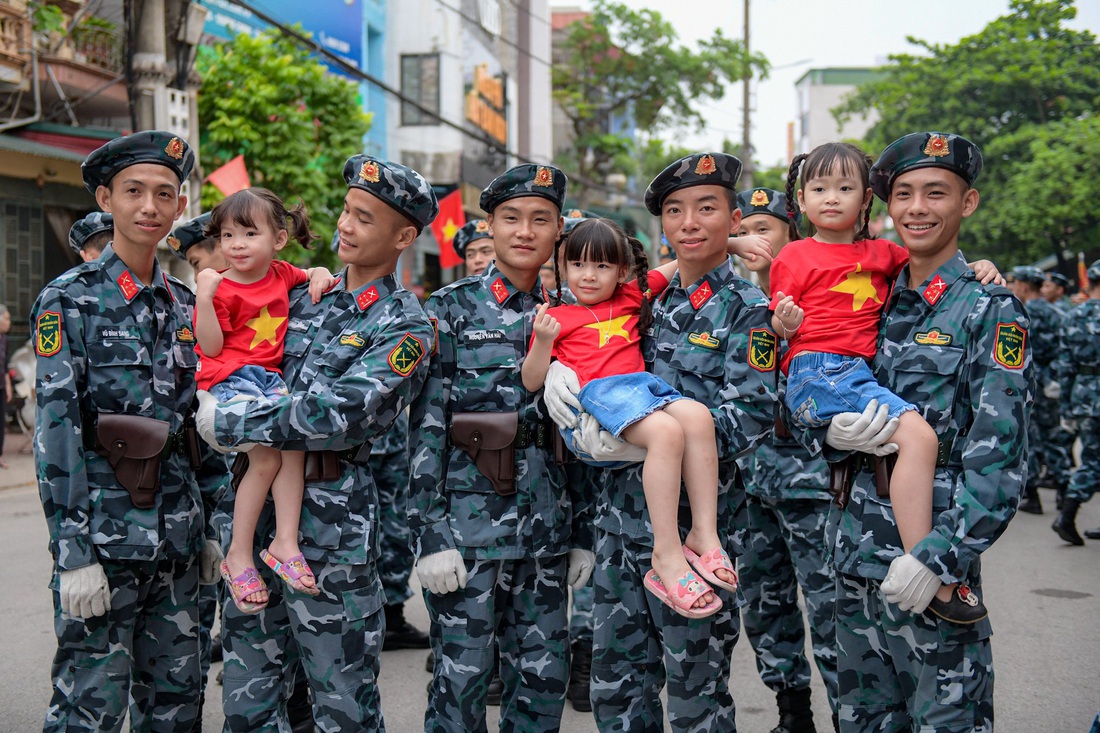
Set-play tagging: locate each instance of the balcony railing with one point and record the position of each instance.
(15, 37)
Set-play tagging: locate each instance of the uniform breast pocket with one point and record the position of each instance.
(296, 342)
(122, 367)
(338, 359)
(482, 373)
(184, 357)
(928, 377)
(698, 369)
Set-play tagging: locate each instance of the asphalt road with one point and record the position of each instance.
(1044, 597)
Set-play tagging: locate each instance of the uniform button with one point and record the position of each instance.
(1009, 391)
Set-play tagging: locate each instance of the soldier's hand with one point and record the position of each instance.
(1052, 390)
(581, 562)
(560, 393)
(442, 572)
(602, 446)
(910, 584)
(204, 423)
(866, 432)
(210, 562)
(84, 592)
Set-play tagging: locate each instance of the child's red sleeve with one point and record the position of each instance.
(657, 282)
(783, 280)
(289, 274)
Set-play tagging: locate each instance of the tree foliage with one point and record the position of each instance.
(628, 65)
(266, 98)
(1026, 89)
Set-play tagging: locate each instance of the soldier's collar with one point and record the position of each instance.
(127, 283)
(701, 291)
(370, 293)
(932, 289)
(501, 288)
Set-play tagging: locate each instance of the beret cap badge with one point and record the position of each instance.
(481, 226)
(705, 166)
(937, 146)
(174, 242)
(174, 148)
(760, 198)
(544, 176)
(369, 172)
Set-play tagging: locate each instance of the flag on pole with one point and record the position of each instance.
(231, 177)
(1082, 273)
(450, 220)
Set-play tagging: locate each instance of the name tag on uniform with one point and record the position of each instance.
(483, 335)
(117, 333)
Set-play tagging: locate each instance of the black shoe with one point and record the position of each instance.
(1093, 534)
(965, 607)
(1066, 523)
(795, 715)
(429, 663)
(496, 687)
(216, 648)
(400, 634)
(1031, 503)
(580, 676)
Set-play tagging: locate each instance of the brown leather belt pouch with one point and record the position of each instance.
(322, 465)
(840, 480)
(487, 437)
(133, 445)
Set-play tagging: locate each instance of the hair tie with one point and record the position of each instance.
(790, 215)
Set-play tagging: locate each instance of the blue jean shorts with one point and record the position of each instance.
(822, 386)
(250, 381)
(622, 400)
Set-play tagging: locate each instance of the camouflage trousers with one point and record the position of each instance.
(1086, 479)
(391, 474)
(786, 549)
(142, 655)
(1048, 444)
(580, 617)
(901, 671)
(208, 612)
(338, 637)
(639, 645)
(519, 606)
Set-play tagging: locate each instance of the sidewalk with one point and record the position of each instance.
(21, 471)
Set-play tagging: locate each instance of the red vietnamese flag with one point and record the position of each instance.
(231, 177)
(450, 220)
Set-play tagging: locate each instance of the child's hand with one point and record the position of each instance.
(547, 327)
(986, 272)
(206, 284)
(755, 250)
(320, 280)
(788, 314)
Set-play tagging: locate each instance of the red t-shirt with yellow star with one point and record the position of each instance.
(841, 287)
(253, 321)
(602, 340)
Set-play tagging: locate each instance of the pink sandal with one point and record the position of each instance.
(292, 571)
(243, 586)
(685, 592)
(709, 564)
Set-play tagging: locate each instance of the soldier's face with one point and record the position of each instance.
(928, 206)
(1052, 291)
(524, 231)
(200, 258)
(144, 200)
(697, 222)
(768, 227)
(371, 233)
(479, 254)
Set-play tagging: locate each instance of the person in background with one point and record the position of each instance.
(194, 246)
(90, 235)
(473, 242)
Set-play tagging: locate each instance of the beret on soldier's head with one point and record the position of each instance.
(471, 231)
(1059, 279)
(83, 229)
(1093, 274)
(1028, 274)
(148, 146)
(713, 169)
(925, 150)
(401, 188)
(573, 217)
(185, 236)
(765, 201)
(525, 180)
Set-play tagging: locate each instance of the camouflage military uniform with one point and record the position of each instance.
(958, 351)
(351, 361)
(711, 341)
(1079, 367)
(514, 547)
(106, 343)
(1045, 340)
(787, 505)
(389, 464)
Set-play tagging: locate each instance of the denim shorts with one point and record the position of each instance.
(250, 381)
(821, 386)
(623, 399)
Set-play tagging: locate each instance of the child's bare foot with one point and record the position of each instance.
(672, 569)
(715, 567)
(238, 563)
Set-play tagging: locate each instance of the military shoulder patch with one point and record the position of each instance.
(762, 344)
(1008, 346)
(406, 355)
(435, 335)
(47, 328)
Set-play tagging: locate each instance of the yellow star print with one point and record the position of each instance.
(266, 327)
(859, 284)
(614, 327)
(449, 229)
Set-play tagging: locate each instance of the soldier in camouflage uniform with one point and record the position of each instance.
(495, 556)
(787, 504)
(114, 336)
(712, 342)
(1079, 368)
(352, 362)
(957, 350)
(190, 243)
(1057, 291)
(89, 236)
(1044, 341)
(473, 242)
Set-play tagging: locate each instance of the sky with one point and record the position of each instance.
(826, 34)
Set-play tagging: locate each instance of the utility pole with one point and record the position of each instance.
(746, 122)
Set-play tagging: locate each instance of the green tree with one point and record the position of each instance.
(1022, 81)
(627, 66)
(295, 124)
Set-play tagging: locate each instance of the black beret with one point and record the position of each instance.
(1093, 273)
(1059, 279)
(573, 217)
(1029, 274)
(187, 235)
(528, 179)
(471, 231)
(148, 146)
(765, 201)
(83, 229)
(403, 189)
(714, 169)
(925, 150)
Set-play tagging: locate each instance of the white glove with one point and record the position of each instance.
(866, 432)
(581, 563)
(442, 572)
(204, 423)
(602, 446)
(1052, 390)
(560, 393)
(910, 584)
(84, 592)
(210, 563)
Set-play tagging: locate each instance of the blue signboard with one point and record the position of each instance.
(337, 25)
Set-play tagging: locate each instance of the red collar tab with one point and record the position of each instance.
(127, 286)
(701, 295)
(935, 290)
(499, 290)
(367, 298)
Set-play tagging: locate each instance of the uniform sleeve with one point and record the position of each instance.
(61, 365)
(994, 448)
(745, 413)
(429, 447)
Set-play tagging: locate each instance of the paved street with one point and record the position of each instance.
(1044, 596)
